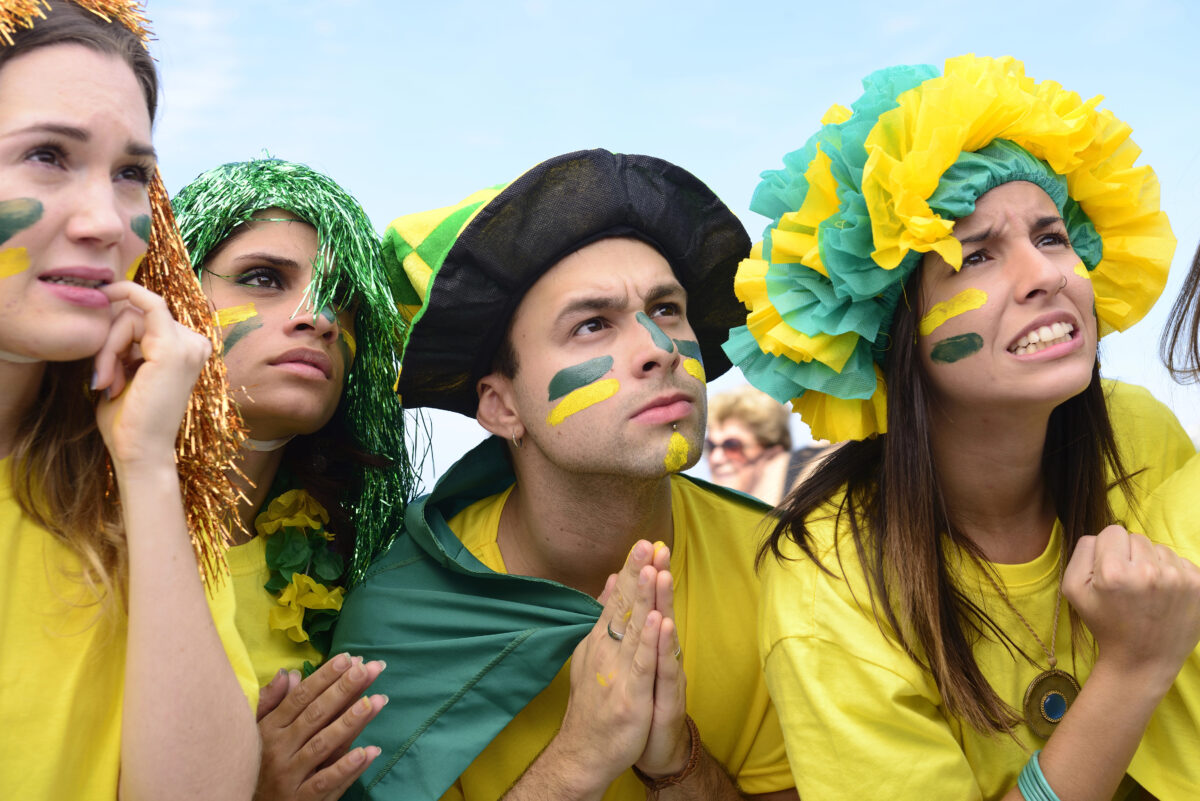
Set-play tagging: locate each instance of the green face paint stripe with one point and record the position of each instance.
(580, 375)
(328, 313)
(955, 348)
(17, 215)
(689, 349)
(238, 331)
(141, 226)
(660, 339)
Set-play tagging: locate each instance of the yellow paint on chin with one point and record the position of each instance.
(1082, 271)
(235, 314)
(965, 301)
(13, 261)
(695, 369)
(133, 268)
(580, 399)
(677, 453)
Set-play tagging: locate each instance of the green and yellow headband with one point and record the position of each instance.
(878, 186)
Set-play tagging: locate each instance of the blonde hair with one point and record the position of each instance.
(766, 418)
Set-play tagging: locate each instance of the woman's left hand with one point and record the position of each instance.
(146, 369)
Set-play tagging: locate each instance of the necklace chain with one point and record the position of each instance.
(1053, 649)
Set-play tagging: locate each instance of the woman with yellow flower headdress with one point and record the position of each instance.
(292, 266)
(943, 258)
(113, 678)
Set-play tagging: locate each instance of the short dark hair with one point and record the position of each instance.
(68, 23)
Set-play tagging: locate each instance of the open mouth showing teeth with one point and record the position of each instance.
(67, 280)
(1042, 338)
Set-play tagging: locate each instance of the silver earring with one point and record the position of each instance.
(516, 442)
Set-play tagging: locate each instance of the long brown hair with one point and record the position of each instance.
(59, 462)
(897, 513)
(1180, 344)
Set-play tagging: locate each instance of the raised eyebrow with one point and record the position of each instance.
(269, 258)
(1046, 222)
(81, 135)
(589, 304)
(982, 236)
(661, 291)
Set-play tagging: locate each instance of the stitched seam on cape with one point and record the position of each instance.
(449, 703)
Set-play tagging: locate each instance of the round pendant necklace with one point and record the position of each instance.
(1051, 693)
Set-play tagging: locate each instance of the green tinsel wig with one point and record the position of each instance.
(347, 266)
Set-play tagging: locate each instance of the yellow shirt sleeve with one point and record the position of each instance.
(1167, 762)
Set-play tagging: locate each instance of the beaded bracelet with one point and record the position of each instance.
(1032, 782)
(657, 785)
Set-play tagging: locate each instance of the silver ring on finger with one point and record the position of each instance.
(616, 635)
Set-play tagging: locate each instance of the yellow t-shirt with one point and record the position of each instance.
(270, 649)
(1168, 761)
(715, 540)
(863, 720)
(62, 667)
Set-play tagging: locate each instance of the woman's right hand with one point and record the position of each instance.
(307, 728)
(1141, 601)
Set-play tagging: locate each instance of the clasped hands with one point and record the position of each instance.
(627, 702)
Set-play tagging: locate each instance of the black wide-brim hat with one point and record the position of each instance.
(468, 266)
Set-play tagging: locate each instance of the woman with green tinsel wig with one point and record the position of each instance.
(291, 265)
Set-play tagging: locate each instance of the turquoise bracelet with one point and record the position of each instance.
(1032, 783)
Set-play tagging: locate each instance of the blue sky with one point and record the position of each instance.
(414, 106)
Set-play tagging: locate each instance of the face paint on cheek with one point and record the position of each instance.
(693, 362)
(580, 375)
(17, 215)
(660, 339)
(140, 225)
(582, 398)
(235, 314)
(13, 261)
(348, 347)
(965, 301)
(677, 453)
(955, 348)
(1082, 271)
(243, 319)
(133, 268)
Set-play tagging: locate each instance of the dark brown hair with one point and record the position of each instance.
(1180, 344)
(59, 463)
(896, 513)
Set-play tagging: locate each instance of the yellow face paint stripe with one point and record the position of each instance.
(13, 261)
(235, 314)
(579, 399)
(352, 344)
(677, 453)
(965, 301)
(1082, 271)
(133, 268)
(695, 369)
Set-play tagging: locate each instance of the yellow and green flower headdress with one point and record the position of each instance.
(211, 433)
(348, 269)
(881, 184)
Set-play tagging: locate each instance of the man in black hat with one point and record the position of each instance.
(575, 314)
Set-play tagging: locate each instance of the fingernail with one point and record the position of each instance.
(356, 660)
(296, 674)
(362, 706)
(657, 545)
(358, 672)
(374, 751)
(643, 579)
(382, 665)
(357, 756)
(95, 380)
(385, 699)
(280, 675)
(342, 663)
(639, 550)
